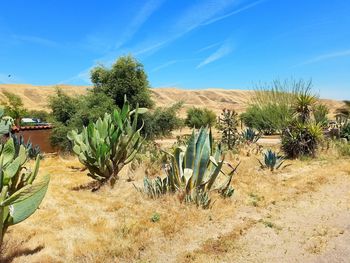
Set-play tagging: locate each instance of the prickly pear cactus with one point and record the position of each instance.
(20, 192)
(106, 146)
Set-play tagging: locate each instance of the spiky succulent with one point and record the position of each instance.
(106, 146)
(272, 160)
(193, 170)
(249, 135)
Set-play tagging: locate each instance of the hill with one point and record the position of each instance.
(36, 97)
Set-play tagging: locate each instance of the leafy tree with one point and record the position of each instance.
(13, 106)
(227, 125)
(73, 113)
(197, 117)
(125, 77)
(162, 121)
(63, 107)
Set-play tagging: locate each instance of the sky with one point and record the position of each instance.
(230, 44)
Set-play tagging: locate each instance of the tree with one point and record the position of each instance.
(227, 125)
(13, 106)
(73, 113)
(197, 118)
(125, 77)
(63, 107)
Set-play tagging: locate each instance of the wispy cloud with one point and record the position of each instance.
(338, 54)
(172, 62)
(221, 52)
(141, 17)
(235, 12)
(35, 40)
(208, 47)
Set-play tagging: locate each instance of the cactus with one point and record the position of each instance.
(20, 192)
(106, 146)
(193, 170)
(227, 125)
(272, 160)
(5, 123)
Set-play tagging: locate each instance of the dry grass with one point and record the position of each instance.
(36, 97)
(114, 225)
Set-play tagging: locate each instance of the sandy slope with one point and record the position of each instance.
(36, 97)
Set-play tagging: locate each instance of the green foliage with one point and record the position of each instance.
(345, 131)
(155, 217)
(13, 106)
(272, 160)
(162, 121)
(227, 125)
(301, 140)
(249, 135)
(320, 112)
(304, 103)
(63, 107)
(32, 151)
(107, 145)
(267, 119)
(20, 192)
(193, 170)
(271, 108)
(343, 148)
(70, 113)
(38, 114)
(197, 118)
(126, 77)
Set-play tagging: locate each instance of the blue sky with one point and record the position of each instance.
(231, 44)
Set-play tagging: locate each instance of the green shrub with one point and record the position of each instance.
(343, 148)
(162, 121)
(320, 113)
(70, 113)
(197, 118)
(194, 170)
(106, 146)
(301, 140)
(20, 192)
(345, 132)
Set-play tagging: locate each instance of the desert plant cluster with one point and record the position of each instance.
(115, 128)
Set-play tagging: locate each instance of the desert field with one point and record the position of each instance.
(298, 214)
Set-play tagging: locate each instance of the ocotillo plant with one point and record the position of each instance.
(20, 192)
(106, 146)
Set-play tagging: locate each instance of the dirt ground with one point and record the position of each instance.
(298, 214)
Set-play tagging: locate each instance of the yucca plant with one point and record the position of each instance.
(249, 135)
(193, 170)
(106, 146)
(20, 192)
(272, 160)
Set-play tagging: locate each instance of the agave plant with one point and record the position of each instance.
(250, 135)
(193, 170)
(20, 192)
(32, 151)
(106, 146)
(272, 160)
